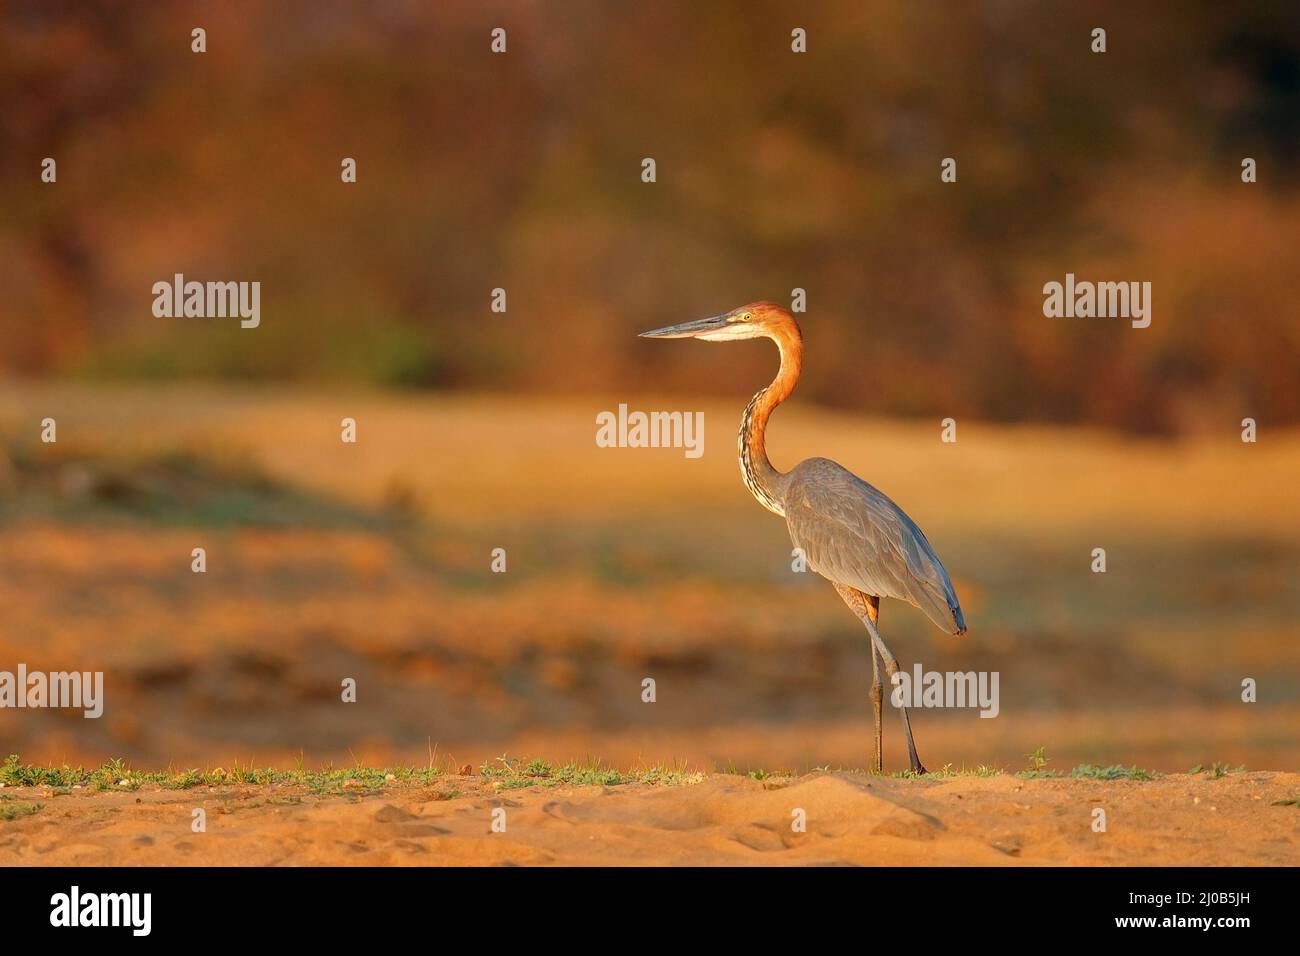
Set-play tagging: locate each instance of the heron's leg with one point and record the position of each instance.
(867, 608)
(877, 692)
(891, 668)
(877, 705)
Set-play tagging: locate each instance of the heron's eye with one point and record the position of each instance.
(747, 317)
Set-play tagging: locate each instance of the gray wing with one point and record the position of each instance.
(854, 534)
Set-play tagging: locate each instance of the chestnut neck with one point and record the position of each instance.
(764, 481)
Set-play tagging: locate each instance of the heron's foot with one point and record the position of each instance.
(917, 768)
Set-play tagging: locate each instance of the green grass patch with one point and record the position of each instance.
(118, 775)
(1113, 772)
(1087, 771)
(506, 773)
(515, 773)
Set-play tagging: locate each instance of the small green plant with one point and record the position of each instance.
(1037, 760)
(1217, 769)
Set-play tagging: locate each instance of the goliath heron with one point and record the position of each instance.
(849, 532)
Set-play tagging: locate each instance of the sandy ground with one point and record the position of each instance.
(851, 819)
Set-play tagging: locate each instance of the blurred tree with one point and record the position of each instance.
(775, 170)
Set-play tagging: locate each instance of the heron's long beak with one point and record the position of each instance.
(687, 330)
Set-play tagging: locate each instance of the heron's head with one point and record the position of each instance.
(756, 320)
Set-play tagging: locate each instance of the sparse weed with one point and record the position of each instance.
(1113, 772)
(1037, 760)
(14, 809)
(1217, 769)
(513, 773)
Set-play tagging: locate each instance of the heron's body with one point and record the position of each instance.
(850, 533)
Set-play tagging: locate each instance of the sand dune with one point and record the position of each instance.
(851, 819)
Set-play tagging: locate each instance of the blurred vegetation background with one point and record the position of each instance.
(522, 171)
(775, 171)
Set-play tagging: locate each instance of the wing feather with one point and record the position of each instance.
(852, 533)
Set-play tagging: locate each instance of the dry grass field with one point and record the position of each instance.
(371, 561)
